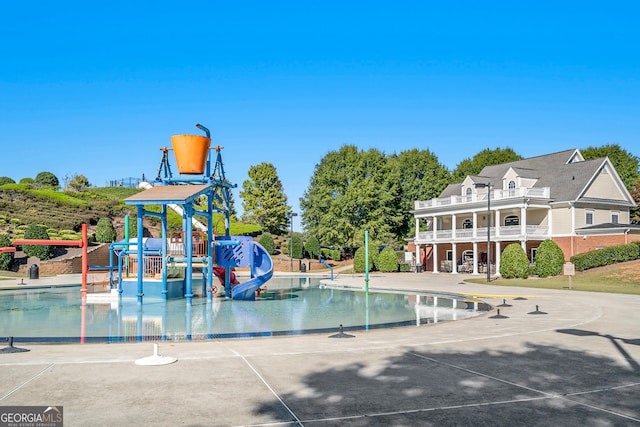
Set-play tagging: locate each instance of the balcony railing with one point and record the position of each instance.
(538, 193)
(466, 235)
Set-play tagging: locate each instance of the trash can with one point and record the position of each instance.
(303, 268)
(34, 272)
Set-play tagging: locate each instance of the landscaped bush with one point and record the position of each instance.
(514, 262)
(326, 253)
(296, 252)
(606, 256)
(405, 268)
(359, 260)
(387, 260)
(47, 179)
(43, 252)
(266, 241)
(105, 233)
(312, 246)
(549, 259)
(6, 258)
(335, 254)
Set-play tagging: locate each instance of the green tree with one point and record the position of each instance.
(486, 157)
(514, 262)
(78, 183)
(312, 246)
(264, 202)
(352, 191)
(37, 232)
(6, 180)
(296, 241)
(27, 180)
(635, 212)
(626, 164)
(6, 258)
(47, 179)
(105, 232)
(421, 177)
(549, 259)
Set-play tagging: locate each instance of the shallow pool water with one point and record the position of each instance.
(289, 306)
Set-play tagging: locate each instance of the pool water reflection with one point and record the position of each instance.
(289, 306)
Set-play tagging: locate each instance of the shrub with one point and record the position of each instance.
(404, 267)
(27, 181)
(359, 260)
(266, 241)
(606, 256)
(6, 180)
(312, 246)
(549, 259)
(296, 252)
(43, 252)
(387, 260)
(335, 254)
(6, 258)
(326, 253)
(47, 179)
(105, 233)
(514, 262)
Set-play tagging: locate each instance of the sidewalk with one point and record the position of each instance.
(578, 364)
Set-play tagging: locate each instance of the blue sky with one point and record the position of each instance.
(96, 88)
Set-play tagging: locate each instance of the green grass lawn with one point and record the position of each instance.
(623, 278)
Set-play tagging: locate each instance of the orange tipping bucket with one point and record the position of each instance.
(191, 153)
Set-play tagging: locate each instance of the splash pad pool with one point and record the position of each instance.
(290, 306)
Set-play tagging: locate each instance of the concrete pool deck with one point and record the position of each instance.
(579, 364)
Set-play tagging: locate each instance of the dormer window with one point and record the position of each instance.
(512, 185)
(469, 191)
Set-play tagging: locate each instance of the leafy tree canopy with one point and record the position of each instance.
(47, 179)
(6, 180)
(352, 191)
(486, 157)
(264, 201)
(79, 183)
(626, 164)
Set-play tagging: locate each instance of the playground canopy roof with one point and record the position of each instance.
(168, 194)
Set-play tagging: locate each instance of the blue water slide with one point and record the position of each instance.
(261, 271)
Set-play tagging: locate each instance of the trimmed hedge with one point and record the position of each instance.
(335, 254)
(312, 247)
(105, 233)
(6, 258)
(549, 259)
(37, 232)
(359, 260)
(514, 262)
(606, 256)
(387, 260)
(266, 241)
(404, 268)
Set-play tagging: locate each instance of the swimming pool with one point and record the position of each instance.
(292, 305)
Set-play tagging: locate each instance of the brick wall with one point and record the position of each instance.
(574, 245)
(97, 255)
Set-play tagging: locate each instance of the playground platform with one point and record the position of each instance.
(578, 364)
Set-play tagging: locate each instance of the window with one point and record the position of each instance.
(467, 223)
(533, 254)
(469, 191)
(511, 220)
(589, 218)
(467, 256)
(449, 255)
(614, 217)
(512, 185)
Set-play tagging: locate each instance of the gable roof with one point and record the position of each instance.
(565, 173)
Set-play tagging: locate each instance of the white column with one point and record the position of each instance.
(523, 243)
(434, 220)
(475, 224)
(454, 257)
(497, 223)
(417, 227)
(475, 257)
(453, 226)
(418, 259)
(550, 222)
(523, 221)
(435, 258)
(497, 252)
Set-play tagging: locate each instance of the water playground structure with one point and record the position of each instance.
(163, 267)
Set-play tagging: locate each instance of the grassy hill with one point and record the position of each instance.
(64, 212)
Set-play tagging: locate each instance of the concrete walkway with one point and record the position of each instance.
(577, 365)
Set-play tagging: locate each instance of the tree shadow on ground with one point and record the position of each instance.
(540, 385)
